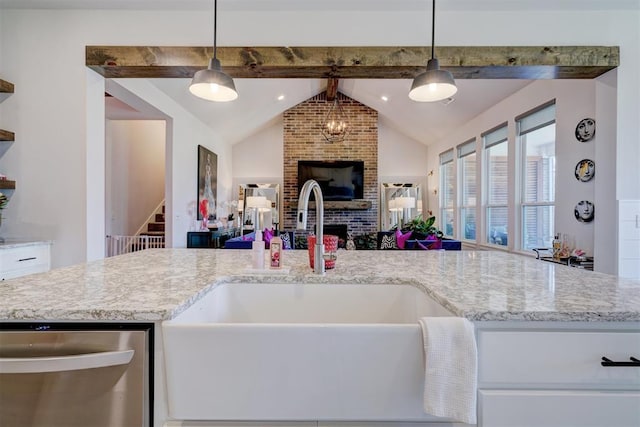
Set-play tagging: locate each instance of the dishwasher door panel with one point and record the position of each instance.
(96, 378)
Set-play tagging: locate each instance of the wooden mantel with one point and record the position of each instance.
(475, 62)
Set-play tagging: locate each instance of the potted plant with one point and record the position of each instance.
(423, 229)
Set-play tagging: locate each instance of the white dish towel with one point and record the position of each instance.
(451, 368)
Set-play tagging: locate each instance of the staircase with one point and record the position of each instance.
(155, 228)
(152, 237)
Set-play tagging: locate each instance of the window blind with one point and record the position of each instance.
(537, 118)
(495, 136)
(446, 157)
(467, 148)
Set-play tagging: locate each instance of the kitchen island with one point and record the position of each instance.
(507, 297)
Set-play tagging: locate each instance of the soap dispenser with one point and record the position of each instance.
(275, 252)
(257, 251)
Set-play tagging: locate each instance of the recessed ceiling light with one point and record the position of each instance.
(384, 98)
(280, 97)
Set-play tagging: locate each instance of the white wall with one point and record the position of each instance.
(605, 250)
(43, 54)
(135, 173)
(260, 155)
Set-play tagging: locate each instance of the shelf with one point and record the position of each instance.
(6, 89)
(6, 135)
(358, 204)
(7, 185)
(5, 86)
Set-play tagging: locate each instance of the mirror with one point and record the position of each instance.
(399, 203)
(259, 206)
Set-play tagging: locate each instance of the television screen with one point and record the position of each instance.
(339, 180)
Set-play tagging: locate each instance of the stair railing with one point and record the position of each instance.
(150, 218)
(119, 245)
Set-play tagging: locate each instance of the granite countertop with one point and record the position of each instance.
(19, 243)
(158, 284)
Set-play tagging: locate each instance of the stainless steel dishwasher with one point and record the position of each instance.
(76, 374)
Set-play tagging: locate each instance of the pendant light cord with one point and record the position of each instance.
(215, 27)
(433, 27)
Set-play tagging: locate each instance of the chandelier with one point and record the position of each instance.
(335, 126)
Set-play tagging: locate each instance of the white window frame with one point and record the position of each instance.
(464, 150)
(491, 138)
(535, 119)
(446, 159)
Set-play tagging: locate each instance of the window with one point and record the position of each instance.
(468, 190)
(496, 177)
(537, 165)
(447, 192)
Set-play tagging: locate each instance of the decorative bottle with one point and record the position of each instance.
(275, 252)
(557, 246)
(257, 252)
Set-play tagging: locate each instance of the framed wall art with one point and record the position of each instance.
(207, 183)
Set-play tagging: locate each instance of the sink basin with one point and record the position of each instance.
(321, 303)
(249, 351)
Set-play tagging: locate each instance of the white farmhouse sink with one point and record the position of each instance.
(251, 351)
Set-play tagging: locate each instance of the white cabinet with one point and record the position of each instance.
(24, 258)
(550, 374)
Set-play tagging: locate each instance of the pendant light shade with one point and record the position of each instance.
(434, 84)
(213, 84)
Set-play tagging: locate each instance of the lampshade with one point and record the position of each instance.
(434, 84)
(256, 201)
(266, 205)
(213, 84)
(406, 202)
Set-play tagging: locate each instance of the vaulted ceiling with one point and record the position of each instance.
(258, 105)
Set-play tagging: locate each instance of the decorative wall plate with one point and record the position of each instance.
(585, 170)
(586, 130)
(584, 211)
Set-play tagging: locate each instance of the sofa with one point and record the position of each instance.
(367, 241)
(246, 241)
(393, 240)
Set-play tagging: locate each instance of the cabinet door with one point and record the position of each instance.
(20, 261)
(199, 239)
(555, 408)
(557, 359)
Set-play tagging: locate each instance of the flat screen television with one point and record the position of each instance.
(339, 180)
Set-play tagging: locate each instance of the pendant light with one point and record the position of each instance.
(434, 84)
(213, 84)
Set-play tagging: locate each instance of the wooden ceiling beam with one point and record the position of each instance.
(475, 62)
(332, 88)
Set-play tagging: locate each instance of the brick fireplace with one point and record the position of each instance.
(303, 140)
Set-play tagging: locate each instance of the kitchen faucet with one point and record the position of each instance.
(303, 209)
